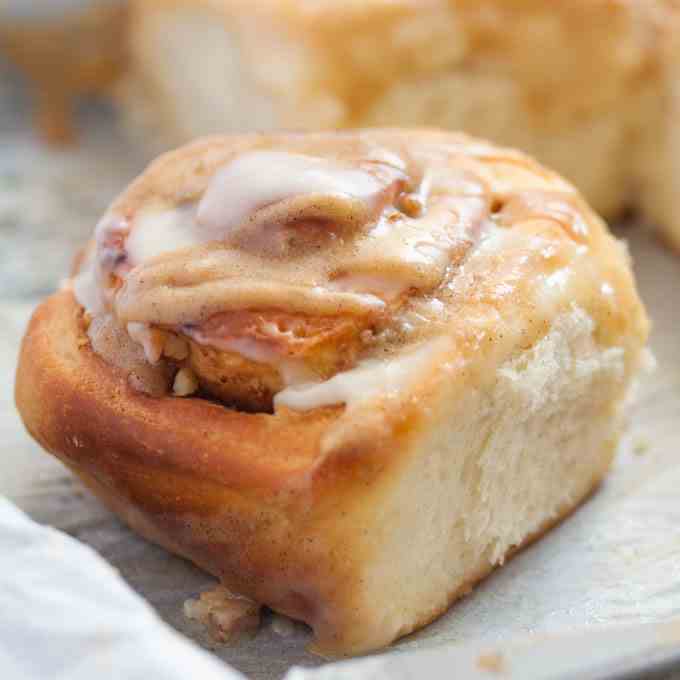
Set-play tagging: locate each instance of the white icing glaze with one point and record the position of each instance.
(108, 238)
(384, 254)
(293, 371)
(249, 348)
(155, 233)
(86, 287)
(493, 240)
(383, 286)
(259, 179)
(369, 379)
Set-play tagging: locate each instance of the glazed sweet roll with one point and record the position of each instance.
(347, 373)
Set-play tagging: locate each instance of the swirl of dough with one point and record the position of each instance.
(275, 261)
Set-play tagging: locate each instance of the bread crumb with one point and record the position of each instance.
(185, 383)
(492, 662)
(282, 625)
(224, 614)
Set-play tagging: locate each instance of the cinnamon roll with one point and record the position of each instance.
(346, 373)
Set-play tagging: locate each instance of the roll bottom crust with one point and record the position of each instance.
(365, 541)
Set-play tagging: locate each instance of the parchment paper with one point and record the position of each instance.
(617, 560)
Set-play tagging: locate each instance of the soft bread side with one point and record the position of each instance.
(366, 544)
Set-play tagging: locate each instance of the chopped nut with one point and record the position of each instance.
(185, 383)
(175, 347)
(224, 614)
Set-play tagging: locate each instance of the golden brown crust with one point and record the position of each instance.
(241, 495)
(244, 496)
(297, 607)
(198, 479)
(112, 413)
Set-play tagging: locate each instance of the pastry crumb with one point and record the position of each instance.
(492, 662)
(224, 614)
(282, 625)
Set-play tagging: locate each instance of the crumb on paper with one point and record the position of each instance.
(224, 614)
(492, 662)
(282, 625)
(641, 446)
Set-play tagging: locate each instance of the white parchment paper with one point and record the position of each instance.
(615, 562)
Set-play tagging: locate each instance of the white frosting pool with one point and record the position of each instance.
(262, 178)
(362, 383)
